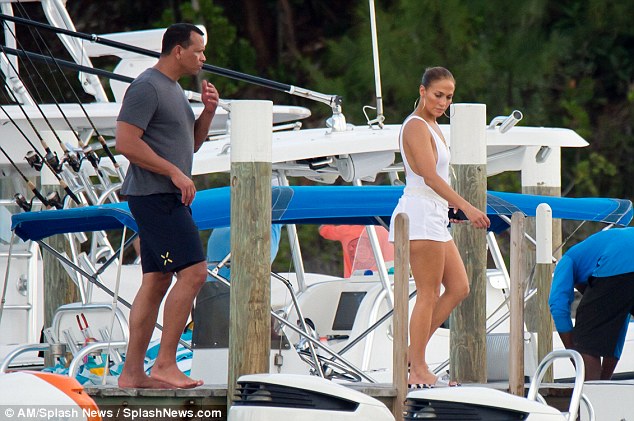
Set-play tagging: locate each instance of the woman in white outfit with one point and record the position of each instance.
(434, 258)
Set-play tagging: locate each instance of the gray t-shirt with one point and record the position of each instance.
(157, 105)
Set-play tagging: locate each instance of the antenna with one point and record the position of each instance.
(377, 71)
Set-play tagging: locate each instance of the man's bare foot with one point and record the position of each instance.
(142, 382)
(172, 375)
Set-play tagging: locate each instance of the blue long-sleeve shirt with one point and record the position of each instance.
(606, 253)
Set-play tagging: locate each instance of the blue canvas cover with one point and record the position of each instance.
(359, 205)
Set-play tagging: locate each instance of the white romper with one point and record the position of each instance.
(427, 211)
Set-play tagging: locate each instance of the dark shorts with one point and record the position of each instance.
(602, 315)
(169, 236)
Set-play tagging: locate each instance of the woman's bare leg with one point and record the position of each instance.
(427, 260)
(456, 286)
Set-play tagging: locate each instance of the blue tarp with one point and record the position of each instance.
(360, 205)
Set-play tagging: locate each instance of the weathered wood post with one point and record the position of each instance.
(518, 275)
(541, 174)
(544, 274)
(401, 312)
(468, 158)
(250, 317)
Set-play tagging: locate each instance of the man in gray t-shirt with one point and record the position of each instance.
(168, 129)
(158, 133)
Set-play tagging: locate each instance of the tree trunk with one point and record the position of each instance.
(256, 32)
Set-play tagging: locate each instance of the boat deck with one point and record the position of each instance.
(205, 402)
(210, 401)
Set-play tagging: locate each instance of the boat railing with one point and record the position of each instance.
(89, 349)
(11, 356)
(60, 339)
(320, 364)
(580, 374)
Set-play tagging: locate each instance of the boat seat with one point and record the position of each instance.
(331, 306)
(98, 318)
(66, 327)
(378, 356)
(498, 345)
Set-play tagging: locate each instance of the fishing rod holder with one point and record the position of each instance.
(34, 160)
(53, 161)
(337, 122)
(506, 123)
(21, 201)
(73, 161)
(54, 199)
(91, 156)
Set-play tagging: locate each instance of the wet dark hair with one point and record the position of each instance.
(433, 74)
(178, 34)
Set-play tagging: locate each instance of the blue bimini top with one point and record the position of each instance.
(357, 205)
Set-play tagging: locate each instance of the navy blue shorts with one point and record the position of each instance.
(602, 315)
(168, 233)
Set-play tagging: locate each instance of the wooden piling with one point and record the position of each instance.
(250, 318)
(58, 287)
(518, 275)
(401, 312)
(543, 275)
(542, 177)
(467, 322)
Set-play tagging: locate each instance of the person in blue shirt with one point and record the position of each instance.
(219, 245)
(601, 267)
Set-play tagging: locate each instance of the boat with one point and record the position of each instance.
(338, 151)
(33, 395)
(273, 396)
(358, 205)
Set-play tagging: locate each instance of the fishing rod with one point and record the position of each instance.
(334, 101)
(90, 155)
(68, 64)
(71, 159)
(21, 200)
(92, 70)
(51, 160)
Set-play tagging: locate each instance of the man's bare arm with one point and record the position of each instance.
(130, 144)
(210, 98)
(566, 339)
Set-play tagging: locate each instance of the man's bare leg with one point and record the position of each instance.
(175, 314)
(143, 316)
(607, 367)
(593, 366)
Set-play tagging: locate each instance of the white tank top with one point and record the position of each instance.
(414, 183)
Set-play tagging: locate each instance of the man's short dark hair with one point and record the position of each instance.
(178, 34)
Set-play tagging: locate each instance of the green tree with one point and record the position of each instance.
(225, 48)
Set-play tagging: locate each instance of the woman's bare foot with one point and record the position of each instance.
(420, 374)
(172, 375)
(141, 382)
